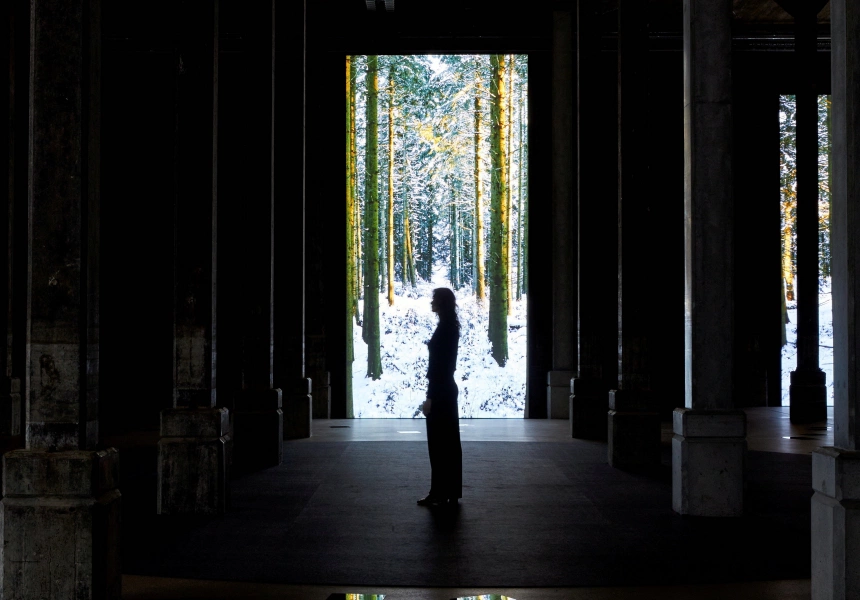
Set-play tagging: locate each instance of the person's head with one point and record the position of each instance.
(444, 304)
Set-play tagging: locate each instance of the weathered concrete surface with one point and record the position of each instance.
(708, 462)
(709, 446)
(835, 524)
(63, 206)
(564, 230)
(60, 525)
(836, 471)
(193, 459)
(633, 436)
(558, 394)
(258, 429)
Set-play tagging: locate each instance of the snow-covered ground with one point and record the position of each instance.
(825, 341)
(486, 389)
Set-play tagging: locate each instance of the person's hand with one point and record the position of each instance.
(425, 408)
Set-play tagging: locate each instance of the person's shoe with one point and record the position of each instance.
(429, 500)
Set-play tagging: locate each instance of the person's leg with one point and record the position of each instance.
(433, 449)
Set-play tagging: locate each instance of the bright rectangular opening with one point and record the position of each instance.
(788, 238)
(436, 196)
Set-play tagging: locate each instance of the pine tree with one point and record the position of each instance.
(371, 286)
(498, 326)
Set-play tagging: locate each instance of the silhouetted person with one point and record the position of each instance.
(440, 407)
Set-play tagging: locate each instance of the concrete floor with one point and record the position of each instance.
(768, 429)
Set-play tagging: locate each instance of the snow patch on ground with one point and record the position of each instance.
(486, 389)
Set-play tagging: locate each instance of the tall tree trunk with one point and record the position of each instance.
(509, 240)
(356, 210)
(390, 224)
(522, 156)
(498, 325)
(351, 300)
(455, 239)
(525, 213)
(480, 281)
(371, 194)
(410, 252)
(428, 263)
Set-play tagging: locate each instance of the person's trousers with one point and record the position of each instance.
(446, 456)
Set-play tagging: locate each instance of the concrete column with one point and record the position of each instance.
(807, 391)
(61, 509)
(634, 424)
(836, 470)
(709, 444)
(563, 216)
(193, 452)
(246, 240)
(597, 243)
(290, 241)
(15, 19)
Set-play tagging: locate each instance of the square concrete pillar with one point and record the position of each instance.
(558, 394)
(258, 429)
(708, 460)
(60, 522)
(193, 459)
(298, 411)
(633, 433)
(808, 394)
(835, 524)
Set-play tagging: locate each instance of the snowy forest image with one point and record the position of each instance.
(436, 196)
(788, 195)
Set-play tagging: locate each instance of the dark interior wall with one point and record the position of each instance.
(539, 297)
(330, 37)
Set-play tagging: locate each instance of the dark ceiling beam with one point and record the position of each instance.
(792, 7)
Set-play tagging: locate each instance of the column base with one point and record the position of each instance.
(61, 524)
(322, 396)
(835, 524)
(808, 396)
(708, 462)
(193, 459)
(298, 411)
(588, 409)
(633, 430)
(258, 430)
(558, 394)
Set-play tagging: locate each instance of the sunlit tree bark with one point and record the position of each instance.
(390, 221)
(351, 299)
(498, 326)
(480, 282)
(520, 245)
(510, 120)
